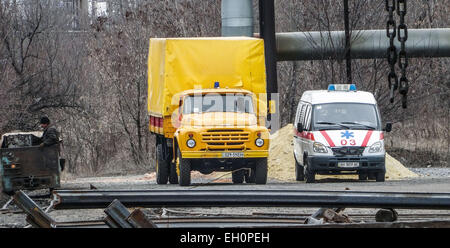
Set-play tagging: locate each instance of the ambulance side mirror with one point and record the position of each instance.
(300, 127)
(388, 127)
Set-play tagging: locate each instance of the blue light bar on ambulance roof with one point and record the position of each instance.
(342, 87)
(216, 85)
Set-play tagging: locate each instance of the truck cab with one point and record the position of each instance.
(219, 131)
(339, 131)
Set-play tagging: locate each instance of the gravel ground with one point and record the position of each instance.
(432, 172)
(430, 180)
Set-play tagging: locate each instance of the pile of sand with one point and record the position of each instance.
(282, 166)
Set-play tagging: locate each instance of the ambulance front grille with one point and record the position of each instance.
(347, 151)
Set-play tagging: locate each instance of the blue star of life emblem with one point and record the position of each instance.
(347, 134)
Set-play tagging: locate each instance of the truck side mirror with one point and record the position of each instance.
(272, 107)
(300, 127)
(388, 127)
(180, 103)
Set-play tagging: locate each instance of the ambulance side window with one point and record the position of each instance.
(299, 111)
(301, 118)
(307, 121)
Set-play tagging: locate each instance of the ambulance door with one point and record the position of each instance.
(306, 140)
(297, 141)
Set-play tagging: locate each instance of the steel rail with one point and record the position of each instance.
(84, 199)
(205, 222)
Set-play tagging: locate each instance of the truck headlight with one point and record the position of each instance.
(259, 142)
(319, 148)
(190, 143)
(376, 147)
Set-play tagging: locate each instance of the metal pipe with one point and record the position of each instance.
(267, 29)
(348, 58)
(365, 44)
(237, 18)
(269, 198)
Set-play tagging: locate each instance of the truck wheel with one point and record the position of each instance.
(310, 175)
(162, 169)
(173, 176)
(249, 175)
(261, 171)
(185, 170)
(299, 171)
(237, 176)
(380, 176)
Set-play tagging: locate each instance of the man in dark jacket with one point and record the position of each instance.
(50, 135)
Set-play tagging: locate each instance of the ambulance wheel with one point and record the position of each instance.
(237, 176)
(362, 176)
(380, 176)
(261, 171)
(299, 171)
(162, 168)
(372, 176)
(185, 170)
(249, 175)
(310, 175)
(173, 176)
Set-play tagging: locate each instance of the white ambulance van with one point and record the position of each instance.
(339, 131)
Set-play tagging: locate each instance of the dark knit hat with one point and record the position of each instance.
(45, 120)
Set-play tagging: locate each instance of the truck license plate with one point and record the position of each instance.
(348, 164)
(232, 155)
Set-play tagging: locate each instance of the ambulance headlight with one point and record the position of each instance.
(376, 147)
(259, 142)
(190, 143)
(319, 148)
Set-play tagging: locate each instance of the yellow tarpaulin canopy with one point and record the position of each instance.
(179, 64)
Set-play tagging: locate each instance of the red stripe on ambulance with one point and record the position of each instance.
(330, 142)
(366, 139)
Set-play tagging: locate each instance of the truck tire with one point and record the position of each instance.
(310, 175)
(162, 168)
(261, 171)
(238, 176)
(173, 176)
(249, 175)
(299, 171)
(185, 170)
(379, 176)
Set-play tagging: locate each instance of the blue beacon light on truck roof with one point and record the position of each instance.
(342, 87)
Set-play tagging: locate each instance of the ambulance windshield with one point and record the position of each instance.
(345, 116)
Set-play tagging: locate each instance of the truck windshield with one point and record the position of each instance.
(345, 116)
(237, 103)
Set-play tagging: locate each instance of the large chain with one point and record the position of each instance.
(391, 31)
(392, 50)
(402, 59)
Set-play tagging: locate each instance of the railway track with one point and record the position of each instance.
(163, 217)
(69, 199)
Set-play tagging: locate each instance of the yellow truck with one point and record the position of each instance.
(207, 107)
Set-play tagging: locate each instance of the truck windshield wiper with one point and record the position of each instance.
(332, 123)
(357, 123)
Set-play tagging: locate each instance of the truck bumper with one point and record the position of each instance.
(330, 164)
(224, 155)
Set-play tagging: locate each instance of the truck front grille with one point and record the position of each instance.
(226, 139)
